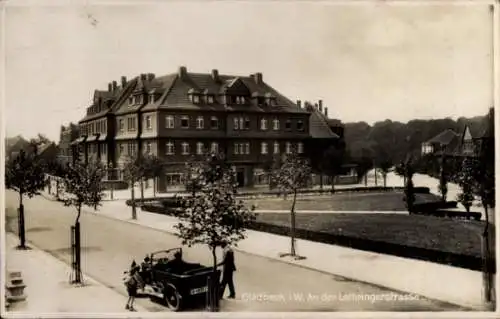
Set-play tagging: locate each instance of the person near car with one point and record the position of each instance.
(132, 282)
(228, 269)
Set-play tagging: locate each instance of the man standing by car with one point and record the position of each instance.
(228, 269)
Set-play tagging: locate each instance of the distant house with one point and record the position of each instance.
(14, 145)
(466, 143)
(446, 141)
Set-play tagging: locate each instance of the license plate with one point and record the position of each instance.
(196, 291)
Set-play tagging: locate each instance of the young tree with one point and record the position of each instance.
(213, 215)
(193, 176)
(156, 169)
(293, 175)
(409, 191)
(443, 179)
(466, 181)
(133, 173)
(82, 186)
(385, 167)
(24, 174)
(331, 163)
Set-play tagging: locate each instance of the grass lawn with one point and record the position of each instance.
(370, 201)
(447, 235)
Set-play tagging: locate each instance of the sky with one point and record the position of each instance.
(367, 61)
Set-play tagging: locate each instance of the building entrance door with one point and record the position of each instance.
(240, 178)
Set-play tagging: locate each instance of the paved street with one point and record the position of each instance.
(262, 284)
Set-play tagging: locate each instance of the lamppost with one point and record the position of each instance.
(110, 171)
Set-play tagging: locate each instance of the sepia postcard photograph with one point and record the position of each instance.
(248, 158)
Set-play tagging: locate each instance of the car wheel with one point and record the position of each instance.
(172, 297)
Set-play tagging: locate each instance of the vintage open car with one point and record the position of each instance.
(181, 286)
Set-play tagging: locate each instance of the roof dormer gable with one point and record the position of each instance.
(236, 87)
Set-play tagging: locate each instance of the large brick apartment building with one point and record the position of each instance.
(182, 115)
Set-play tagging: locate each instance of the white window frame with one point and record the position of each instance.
(276, 124)
(303, 126)
(288, 148)
(169, 121)
(276, 148)
(214, 147)
(200, 122)
(247, 148)
(247, 120)
(242, 123)
(149, 147)
(263, 148)
(236, 124)
(263, 124)
(199, 148)
(185, 148)
(185, 117)
(149, 125)
(212, 119)
(210, 99)
(170, 148)
(300, 147)
(196, 98)
(236, 147)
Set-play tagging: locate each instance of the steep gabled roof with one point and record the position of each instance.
(319, 125)
(444, 138)
(177, 96)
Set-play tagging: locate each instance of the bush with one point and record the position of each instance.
(117, 185)
(430, 207)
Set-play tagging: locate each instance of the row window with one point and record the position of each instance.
(184, 122)
(135, 99)
(131, 149)
(185, 148)
(276, 149)
(98, 127)
(148, 124)
(241, 123)
(196, 99)
(241, 148)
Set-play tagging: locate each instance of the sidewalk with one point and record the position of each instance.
(435, 281)
(48, 290)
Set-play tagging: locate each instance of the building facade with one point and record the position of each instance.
(180, 117)
(67, 136)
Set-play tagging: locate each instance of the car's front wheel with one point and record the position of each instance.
(172, 298)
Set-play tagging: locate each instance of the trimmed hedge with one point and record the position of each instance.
(117, 185)
(430, 207)
(441, 257)
(418, 190)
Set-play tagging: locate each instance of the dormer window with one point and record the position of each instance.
(210, 99)
(196, 98)
(131, 100)
(151, 98)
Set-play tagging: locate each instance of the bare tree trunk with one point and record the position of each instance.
(154, 186)
(488, 284)
(134, 212)
(375, 171)
(333, 184)
(21, 231)
(292, 231)
(321, 181)
(366, 179)
(142, 189)
(213, 285)
(385, 180)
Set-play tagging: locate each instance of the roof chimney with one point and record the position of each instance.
(320, 103)
(258, 78)
(124, 81)
(215, 75)
(182, 72)
(151, 76)
(326, 111)
(299, 104)
(143, 76)
(115, 85)
(110, 87)
(316, 106)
